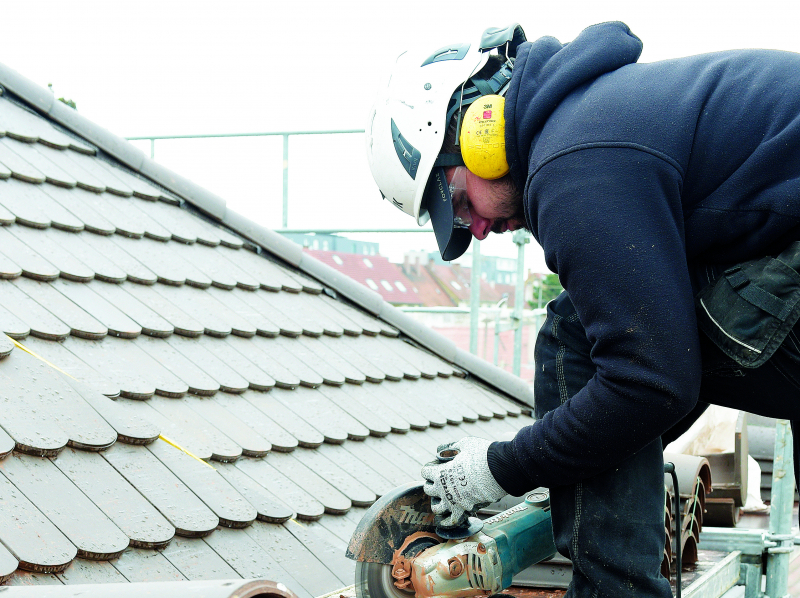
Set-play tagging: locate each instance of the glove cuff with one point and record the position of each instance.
(505, 470)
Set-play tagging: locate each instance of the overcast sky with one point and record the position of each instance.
(166, 67)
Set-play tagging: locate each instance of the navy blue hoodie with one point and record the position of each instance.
(635, 176)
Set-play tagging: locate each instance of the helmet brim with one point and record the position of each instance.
(452, 240)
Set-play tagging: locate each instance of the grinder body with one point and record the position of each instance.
(399, 553)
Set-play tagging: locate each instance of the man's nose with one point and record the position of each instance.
(480, 228)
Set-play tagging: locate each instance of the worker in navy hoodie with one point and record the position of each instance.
(666, 196)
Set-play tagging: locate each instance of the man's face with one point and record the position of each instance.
(493, 205)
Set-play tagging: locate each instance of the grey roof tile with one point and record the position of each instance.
(6, 444)
(283, 303)
(112, 183)
(24, 202)
(304, 504)
(180, 321)
(130, 428)
(139, 187)
(105, 357)
(347, 351)
(179, 505)
(252, 443)
(12, 325)
(278, 437)
(257, 301)
(6, 346)
(120, 502)
(24, 125)
(213, 233)
(197, 560)
(358, 493)
(103, 268)
(363, 414)
(19, 167)
(177, 374)
(76, 516)
(6, 217)
(300, 350)
(305, 433)
(157, 258)
(28, 535)
(26, 578)
(312, 406)
(202, 354)
(117, 322)
(62, 357)
(134, 269)
(231, 507)
(167, 376)
(150, 322)
(82, 571)
(68, 266)
(208, 306)
(233, 301)
(271, 276)
(348, 325)
(59, 158)
(27, 416)
(178, 222)
(32, 264)
(188, 429)
(293, 556)
(250, 560)
(318, 352)
(263, 361)
(382, 457)
(413, 356)
(38, 197)
(327, 553)
(307, 303)
(334, 501)
(108, 210)
(267, 505)
(365, 347)
(139, 565)
(372, 399)
(369, 482)
(28, 152)
(274, 348)
(256, 378)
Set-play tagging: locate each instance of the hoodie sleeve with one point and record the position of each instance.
(610, 222)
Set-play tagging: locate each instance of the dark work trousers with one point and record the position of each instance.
(611, 525)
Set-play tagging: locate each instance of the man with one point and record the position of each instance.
(660, 194)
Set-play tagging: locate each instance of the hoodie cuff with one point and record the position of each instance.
(503, 466)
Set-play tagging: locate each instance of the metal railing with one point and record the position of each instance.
(520, 238)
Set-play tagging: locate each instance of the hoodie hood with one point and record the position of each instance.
(546, 71)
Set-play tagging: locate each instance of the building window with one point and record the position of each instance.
(400, 286)
(371, 284)
(455, 285)
(367, 263)
(386, 285)
(338, 260)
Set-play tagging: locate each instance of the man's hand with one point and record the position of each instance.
(463, 485)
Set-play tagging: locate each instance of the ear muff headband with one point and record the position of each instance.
(483, 137)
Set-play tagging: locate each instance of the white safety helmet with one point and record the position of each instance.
(407, 124)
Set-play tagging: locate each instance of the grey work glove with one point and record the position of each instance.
(463, 485)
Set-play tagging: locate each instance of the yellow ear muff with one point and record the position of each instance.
(483, 137)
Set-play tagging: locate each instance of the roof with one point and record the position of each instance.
(429, 290)
(188, 396)
(375, 272)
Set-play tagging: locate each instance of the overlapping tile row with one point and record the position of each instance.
(694, 482)
(189, 409)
